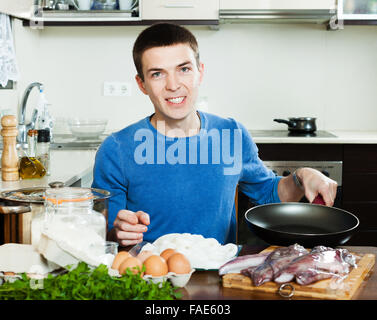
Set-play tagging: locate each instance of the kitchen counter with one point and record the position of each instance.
(342, 137)
(66, 141)
(67, 166)
(206, 285)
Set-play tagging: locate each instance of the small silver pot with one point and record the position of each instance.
(300, 125)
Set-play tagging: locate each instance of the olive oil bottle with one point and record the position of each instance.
(30, 166)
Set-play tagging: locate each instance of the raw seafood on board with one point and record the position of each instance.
(290, 263)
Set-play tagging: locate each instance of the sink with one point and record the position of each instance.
(70, 142)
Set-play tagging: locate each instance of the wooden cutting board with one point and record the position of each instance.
(323, 289)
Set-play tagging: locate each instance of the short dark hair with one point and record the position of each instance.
(162, 35)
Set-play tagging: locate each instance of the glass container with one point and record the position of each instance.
(29, 166)
(70, 211)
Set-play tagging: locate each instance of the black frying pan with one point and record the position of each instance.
(303, 223)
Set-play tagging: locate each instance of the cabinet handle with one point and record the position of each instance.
(179, 5)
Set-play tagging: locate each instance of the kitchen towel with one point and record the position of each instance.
(8, 63)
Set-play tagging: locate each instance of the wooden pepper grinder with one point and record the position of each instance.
(9, 158)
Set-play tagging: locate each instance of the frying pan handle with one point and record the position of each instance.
(319, 200)
(289, 123)
(14, 209)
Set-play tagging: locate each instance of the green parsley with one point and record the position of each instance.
(84, 283)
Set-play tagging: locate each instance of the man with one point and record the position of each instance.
(177, 170)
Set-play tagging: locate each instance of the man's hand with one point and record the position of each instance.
(314, 183)
(129, 227)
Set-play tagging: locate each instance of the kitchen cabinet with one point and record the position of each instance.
(180, 10)
(17, 8)
(33, 15)
(184, 12)
(278, 4)
(360, 189)
(190, 12)
(294, 11)
(85, 181)
(357, 193)
(355, 12)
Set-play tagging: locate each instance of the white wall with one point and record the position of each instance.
(254, 73)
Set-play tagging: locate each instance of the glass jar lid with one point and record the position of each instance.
(58, 196)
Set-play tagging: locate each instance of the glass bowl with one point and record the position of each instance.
(87, 128)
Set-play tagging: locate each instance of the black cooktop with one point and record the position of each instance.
(286, 133)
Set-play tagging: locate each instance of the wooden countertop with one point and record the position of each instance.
(206, 285)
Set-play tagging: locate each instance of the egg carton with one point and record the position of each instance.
(4, 277)
(8, 278)
(178, 280)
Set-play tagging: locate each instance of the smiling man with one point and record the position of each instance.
(177, 170)
(171, 79)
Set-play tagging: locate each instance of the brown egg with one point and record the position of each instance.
(133, 263)
(119, 258)
(143, 255)
(167, 253)
(179, 264)
(155, 266)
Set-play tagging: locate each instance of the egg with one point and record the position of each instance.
(155, 266)
(167, 253)
(119, 258)
(179, 264)
(143, 255)
(133, 263)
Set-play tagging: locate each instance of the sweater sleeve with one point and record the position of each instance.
(256, 181)
(108, 175)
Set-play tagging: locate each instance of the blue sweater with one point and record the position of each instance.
(184, 184)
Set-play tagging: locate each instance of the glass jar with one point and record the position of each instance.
(71, 230)
(69, 209)
(74, 207)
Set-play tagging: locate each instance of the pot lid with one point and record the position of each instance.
(36, 194)
(302, 119)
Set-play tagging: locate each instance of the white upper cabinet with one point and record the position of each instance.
(278, 4)
(18, 8)
(195, 10)
(180, 10)
(277, 11)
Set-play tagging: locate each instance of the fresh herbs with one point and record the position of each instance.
(83, 283)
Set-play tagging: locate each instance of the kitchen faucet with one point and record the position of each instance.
(22, 126)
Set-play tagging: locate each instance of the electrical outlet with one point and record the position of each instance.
(125, 89)
(117, 89)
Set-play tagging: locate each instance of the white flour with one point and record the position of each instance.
(203, 253)
(81, 235)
